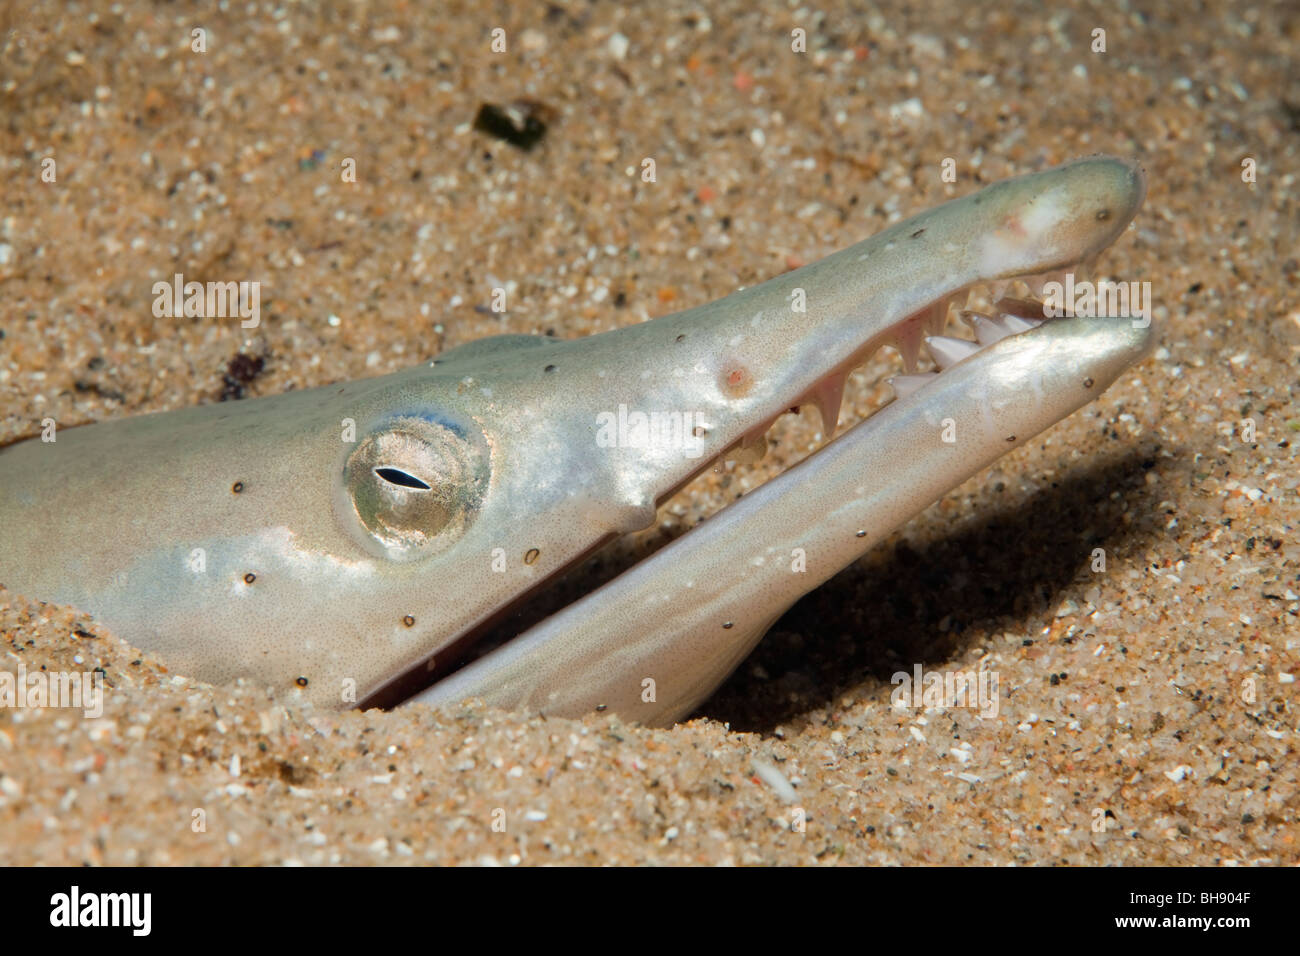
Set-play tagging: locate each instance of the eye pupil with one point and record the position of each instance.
(396, 476)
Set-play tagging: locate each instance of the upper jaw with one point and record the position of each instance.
(740, 362)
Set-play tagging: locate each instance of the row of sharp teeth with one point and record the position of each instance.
(947, 351)
(1010, 318)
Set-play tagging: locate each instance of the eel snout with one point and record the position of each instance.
(1061, 221)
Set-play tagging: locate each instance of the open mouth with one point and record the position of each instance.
(991, 311)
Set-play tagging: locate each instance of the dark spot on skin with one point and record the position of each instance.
(682, 337)
(728, 625)
(1087, 382)
(860, 534)
(301, 682)
(1011, 438)
(237, 487)
(1103, 215)
(532, 555)
(601, 707)
(918, 232)
(250, 577)
(549, 368)
(408, 621)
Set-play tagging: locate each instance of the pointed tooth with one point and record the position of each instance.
(936, 317)
(905, 385)
(948, 351)
(911, 352)
(908, 342)
(1016, 324)
(1034, 284)
(987, 330)
(827, 396)
(997, 288)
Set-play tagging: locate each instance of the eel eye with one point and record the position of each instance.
(413, 486)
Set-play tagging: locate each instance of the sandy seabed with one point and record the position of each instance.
(1147, 713)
